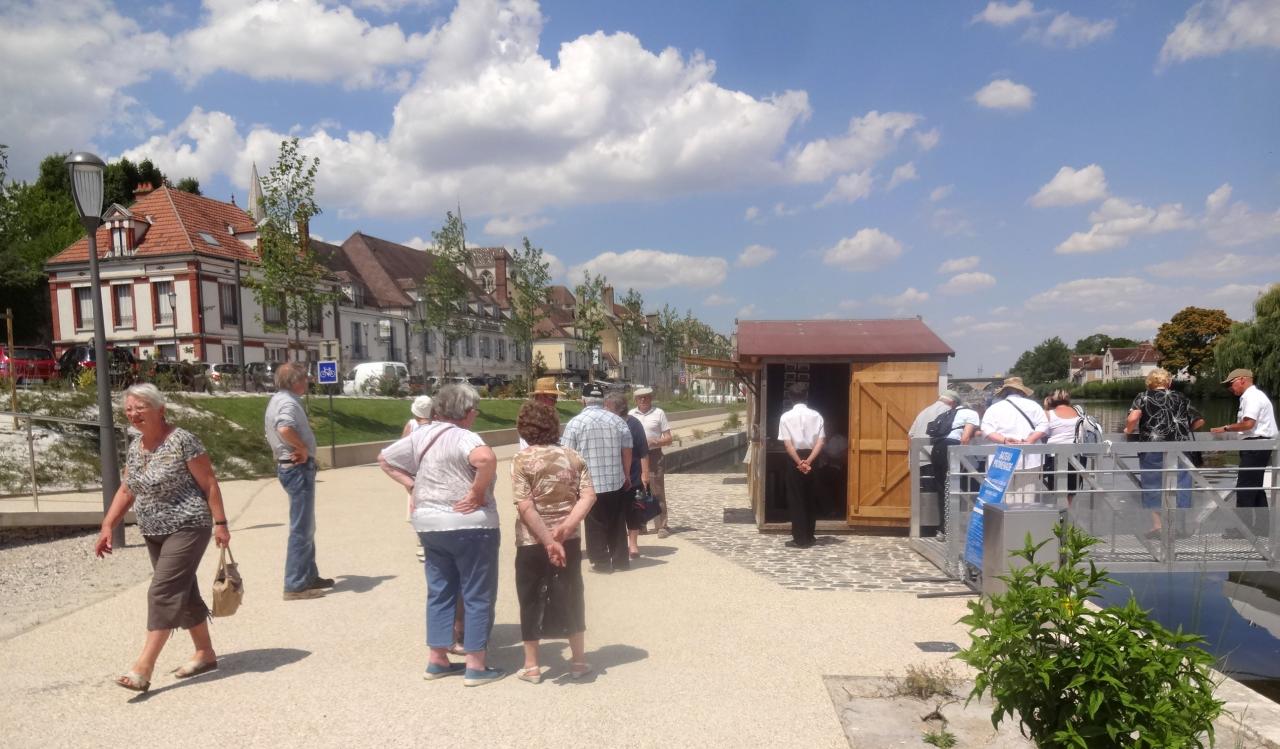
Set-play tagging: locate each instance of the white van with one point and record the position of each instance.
(360, 381)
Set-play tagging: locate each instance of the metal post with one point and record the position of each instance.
(31, 451)
(244, 366)
(13, 374)
(106, 422)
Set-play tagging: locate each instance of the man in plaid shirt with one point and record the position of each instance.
(604, 442)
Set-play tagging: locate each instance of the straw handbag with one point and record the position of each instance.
(228, 587)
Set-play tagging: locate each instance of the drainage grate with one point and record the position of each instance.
(937, 646)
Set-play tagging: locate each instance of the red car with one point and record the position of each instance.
(27, 363)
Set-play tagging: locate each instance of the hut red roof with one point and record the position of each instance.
(857, 338)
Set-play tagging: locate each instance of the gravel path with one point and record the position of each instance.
(50, 572)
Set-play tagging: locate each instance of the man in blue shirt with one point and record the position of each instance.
(604, 442)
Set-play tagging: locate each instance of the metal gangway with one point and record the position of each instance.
(1200, 528)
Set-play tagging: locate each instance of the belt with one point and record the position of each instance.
(290, 461)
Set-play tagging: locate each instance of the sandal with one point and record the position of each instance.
(133, 681)
(533, 675)
(195, 668)
(579, 670)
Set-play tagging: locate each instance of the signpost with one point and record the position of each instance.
(327, 374)
(992, 491)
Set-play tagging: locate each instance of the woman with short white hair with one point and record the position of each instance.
(169, 481)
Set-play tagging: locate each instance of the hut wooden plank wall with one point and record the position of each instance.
(868, 379)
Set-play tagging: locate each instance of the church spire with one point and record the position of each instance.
(255, 196)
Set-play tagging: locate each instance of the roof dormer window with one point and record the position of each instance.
(121, 240)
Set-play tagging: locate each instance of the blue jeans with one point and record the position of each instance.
(461, 563)
(1153, 482)
(299, 482)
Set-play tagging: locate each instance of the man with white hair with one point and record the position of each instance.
(604, 442)
(658, 432)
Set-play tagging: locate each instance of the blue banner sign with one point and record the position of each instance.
(999, 471)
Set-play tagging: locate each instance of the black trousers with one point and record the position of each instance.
(1249, 491)
(802, 498)
(607, 531)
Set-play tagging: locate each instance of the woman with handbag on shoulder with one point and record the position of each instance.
(552, 489)
(169, 482)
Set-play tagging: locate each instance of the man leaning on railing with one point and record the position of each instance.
(1255, 420)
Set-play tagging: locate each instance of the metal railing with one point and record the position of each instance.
(1154, 505)
(30, 480)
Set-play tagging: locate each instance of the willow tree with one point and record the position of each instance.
(1255, 344)
(290, 278)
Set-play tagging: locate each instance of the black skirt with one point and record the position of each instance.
(551, 598)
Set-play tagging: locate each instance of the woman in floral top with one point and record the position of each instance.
(1159, 414)
(553, 492)
(169, 482)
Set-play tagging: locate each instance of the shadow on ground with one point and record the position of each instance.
(233, 664)
(358, 583)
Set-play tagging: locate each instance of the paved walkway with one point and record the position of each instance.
(691, 647)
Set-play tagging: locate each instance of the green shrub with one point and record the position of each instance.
(87, 380)
(387, 385)
(1079, 677)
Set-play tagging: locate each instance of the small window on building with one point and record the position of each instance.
(120, 241)
(502, 349)
(470, 346)
(486, 281)
(209, 238)
(84, 308)
(315, 319)
(160, 291)
(229, 303)
(273, 314)
(484, 347)
(229, 354)
(122, 296)
(429, 341)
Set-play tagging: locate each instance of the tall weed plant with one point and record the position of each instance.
(1074, 676)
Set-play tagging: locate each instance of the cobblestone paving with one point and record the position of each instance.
(716, 515)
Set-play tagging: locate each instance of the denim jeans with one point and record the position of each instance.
(461, 563)
(299, 482)
(1153, 482)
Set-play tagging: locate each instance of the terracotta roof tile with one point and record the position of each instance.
(869, 338)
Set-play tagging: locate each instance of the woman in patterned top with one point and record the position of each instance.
(552, 490)
(169, 482)
(1159, 414)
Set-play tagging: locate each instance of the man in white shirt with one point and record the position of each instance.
(801, 433)
(658, 431)
(1255, 420)
(1015, 419)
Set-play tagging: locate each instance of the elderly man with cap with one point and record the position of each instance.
(658, 432)
(918, 430)
(1015, 419)
(604, 442)
(964, 425)
(544, 391)
(1255, 420)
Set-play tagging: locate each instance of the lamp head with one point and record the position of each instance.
(86, 171)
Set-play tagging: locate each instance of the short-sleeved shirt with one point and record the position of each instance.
(1016, 417)
(963, 417)
(442, 477)
(554, 478)
(599, 437)
(639, 448)
(166, 495)
(921, 424)
(1254, 404)
(1166, 416)
(285, 410)
(802, 426)
(654, 421)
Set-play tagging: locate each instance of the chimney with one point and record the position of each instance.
(608, 300)
(500, 291)
(143, 188)
(304, 236)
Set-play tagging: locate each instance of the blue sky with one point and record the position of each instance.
(1009, 171)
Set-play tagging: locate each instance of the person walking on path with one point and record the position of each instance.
(637, 471)
(294, 447)
(604, 442)
(544, 391)
(1255, 420)
(658, 432)
(551, 487)
(450, 471)
(801, 432)
(1159, 414)
(1015, 419)
(169, 481)
(964, 424)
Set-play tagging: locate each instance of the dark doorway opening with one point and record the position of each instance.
(829, 396)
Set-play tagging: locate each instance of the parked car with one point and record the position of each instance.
(262, 376)
(123, 365)
(363, 379)
(220, 373)
(435, 382)
(28, 363)
(185, 375)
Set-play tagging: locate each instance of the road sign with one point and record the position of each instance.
(328, 373)
(329, 349)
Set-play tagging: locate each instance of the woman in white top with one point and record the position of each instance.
(1063, 418)
(421, 410)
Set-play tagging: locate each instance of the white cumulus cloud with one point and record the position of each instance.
(904, 173)
(1216, 265)
(1236, 223)
(960, 264)
(1215, 27)
(746, 312)
(1006, 14)
(1066, 30)
(967, 283)
(849, 188)
(1117, 220)
(1071, 187)
(756, 254)
(1005, 94)
(418, 243)
(514, 226)
(867, 250)
(717, 300)
(908, 298)
(941, 193)
(928, 140)
(869, 139)
(654, 269)
(1106, 294)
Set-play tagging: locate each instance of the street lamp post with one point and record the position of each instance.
(86, 189)
(173, 320)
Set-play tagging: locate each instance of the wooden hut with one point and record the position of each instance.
(869, 379)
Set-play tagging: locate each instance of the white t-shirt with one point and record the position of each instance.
(654, 422)
(1016, 417)
(1061, 431)
(802, 426)
(918, 427)
(1254, 404)
(963, 416)
(442, 478)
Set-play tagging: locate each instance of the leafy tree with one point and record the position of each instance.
(1048, 361)
(590, 318)
(1100, 342)
(1254, 345)
(290, 276)
(1186, 341)
(189, 184)
(670, 339)
(531, 287)
(445, 291)
(632, 327)
(121, 180)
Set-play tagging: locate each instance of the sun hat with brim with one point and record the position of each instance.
(642, 391)
(545, 386)
(950, 395)
(1015, 383)
(421, 407)
(1236, 373)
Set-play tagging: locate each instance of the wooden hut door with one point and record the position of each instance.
(884, 399)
